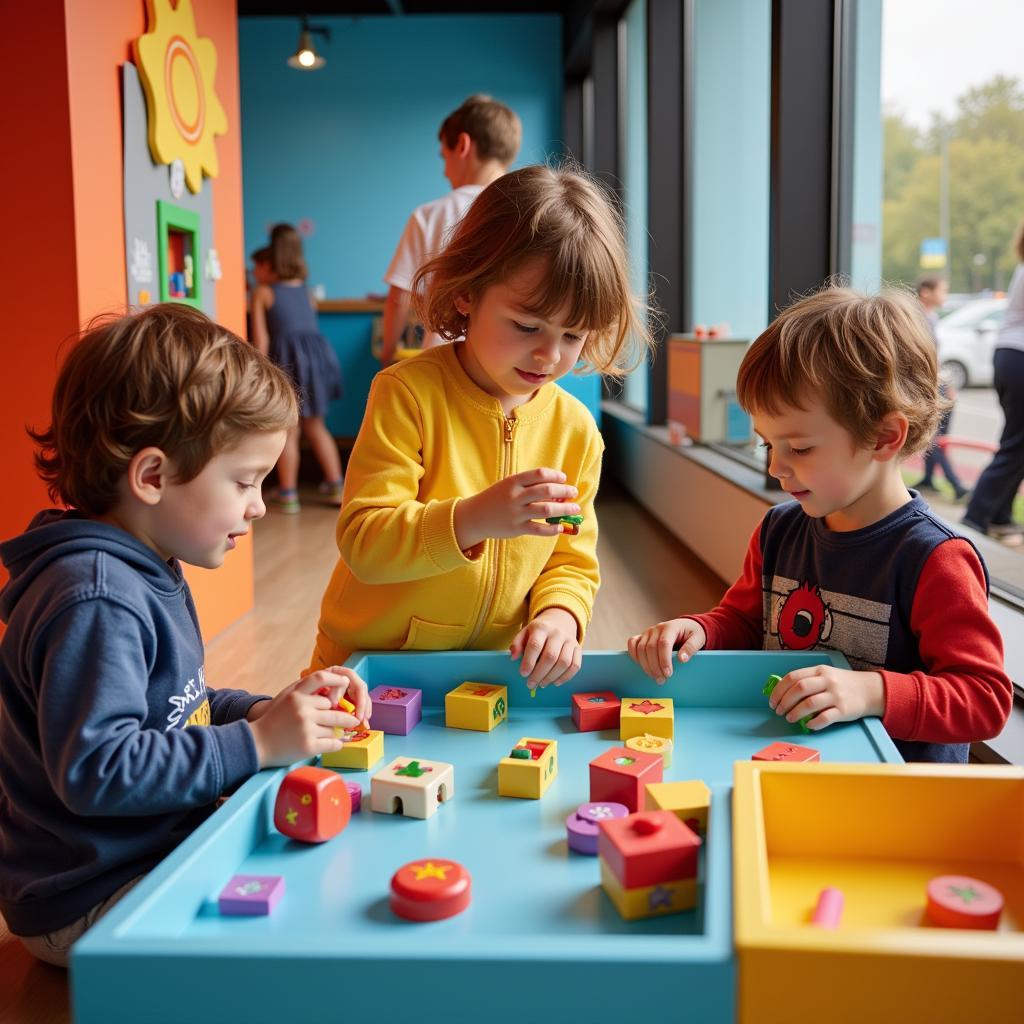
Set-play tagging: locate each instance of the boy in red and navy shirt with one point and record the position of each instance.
(841, 387)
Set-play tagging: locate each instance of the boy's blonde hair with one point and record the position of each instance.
(167, 377)
(286, 256)
(494, 128)
(864, 356)
(562, 219)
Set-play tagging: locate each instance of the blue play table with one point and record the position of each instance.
(540, 939)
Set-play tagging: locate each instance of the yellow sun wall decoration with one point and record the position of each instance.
(177, 69)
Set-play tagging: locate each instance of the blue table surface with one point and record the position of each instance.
(534, 901)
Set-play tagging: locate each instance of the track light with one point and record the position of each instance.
(305, 57)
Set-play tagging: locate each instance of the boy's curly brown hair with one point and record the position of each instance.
(864, 356)
(166, 377)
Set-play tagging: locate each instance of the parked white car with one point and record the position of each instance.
(967, 337)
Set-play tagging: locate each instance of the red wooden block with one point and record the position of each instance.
(957, 901)
(786, 752)
(596, 710)
(313, 804)
(648, 848)
(619, 775)
(430, 890)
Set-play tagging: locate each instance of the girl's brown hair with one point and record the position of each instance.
(863, 356)
(561, 218)
(286, 255)
(167, 377)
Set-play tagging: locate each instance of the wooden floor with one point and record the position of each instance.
(646, 576)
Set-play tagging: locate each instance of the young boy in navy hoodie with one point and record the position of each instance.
(841, 387)
(112, 746)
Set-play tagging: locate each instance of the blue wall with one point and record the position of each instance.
(353, 146)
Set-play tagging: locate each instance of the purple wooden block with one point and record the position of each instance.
(396, 709)
(251, 894)
(355, 791)
(582, 826)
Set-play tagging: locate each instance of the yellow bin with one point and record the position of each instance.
(878, 833)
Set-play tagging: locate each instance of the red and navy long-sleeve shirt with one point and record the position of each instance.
(906, 597)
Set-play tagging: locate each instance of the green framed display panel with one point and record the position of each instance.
(171, 218)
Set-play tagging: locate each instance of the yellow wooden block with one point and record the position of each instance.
(528, 778)
(478, 706)
(649, 900)
(688, 801)
(652, 715)
(652, 744)
(363, 749)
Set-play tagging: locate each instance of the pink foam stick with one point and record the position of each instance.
(829, 909)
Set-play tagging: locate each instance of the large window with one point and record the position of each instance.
(632, 65)
(952, 173)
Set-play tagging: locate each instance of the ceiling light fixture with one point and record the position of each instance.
(305, 57)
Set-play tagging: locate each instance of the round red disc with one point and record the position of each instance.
(956, 901)
(430, 890)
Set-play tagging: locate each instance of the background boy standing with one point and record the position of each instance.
(112, 746)
(841, 386)
(479, 141)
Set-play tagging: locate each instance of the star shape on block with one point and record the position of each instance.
(431, 870)
(967, 893)
(292, 815)
(413, 769)
(659, 897)
(597, 700)
(601, 811)
(646, 707)
(248, 888)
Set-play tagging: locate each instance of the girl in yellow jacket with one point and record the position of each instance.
(465, 450)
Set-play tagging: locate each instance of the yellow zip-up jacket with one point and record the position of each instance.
(430, 437)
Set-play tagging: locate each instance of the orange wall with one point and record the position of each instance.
(69, 212)
(37, 258)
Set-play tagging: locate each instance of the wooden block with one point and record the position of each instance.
(620, 774)
(414, 787)
(312, 805)
(648, 848)
(957, 901)
(649, 715)
(397, 710)
(477, 706)
(652, 745)
(363, 749)
(786, 752)
(582, 826)
(688, 801)
(595, 710)
(250, 895)
(430, 890)
(649, 900)
(528, 777)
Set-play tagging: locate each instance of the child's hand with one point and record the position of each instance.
(298, 723)
(652, 649)
(550, 652)
(511, 507)
(829, 694)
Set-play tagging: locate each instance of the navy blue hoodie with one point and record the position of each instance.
(101, 677)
